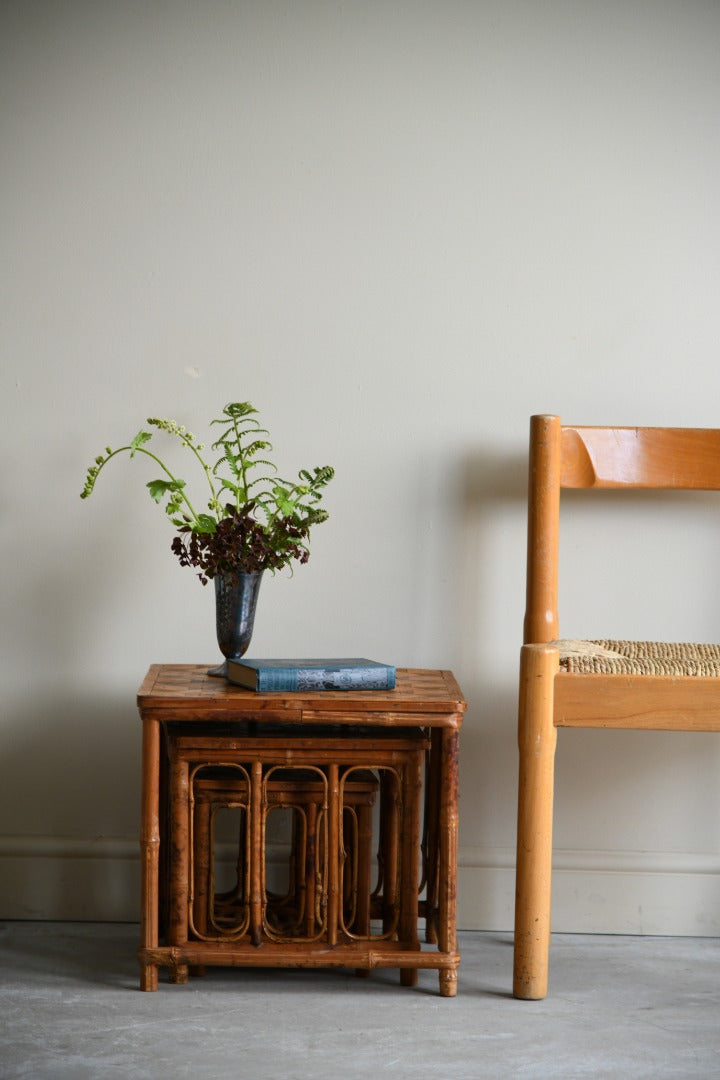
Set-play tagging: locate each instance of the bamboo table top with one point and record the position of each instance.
(186, 692)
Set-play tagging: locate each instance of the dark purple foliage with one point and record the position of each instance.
(241, 544)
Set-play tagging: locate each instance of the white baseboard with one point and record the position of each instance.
(604, 892)
(599, 892)
(61, 878)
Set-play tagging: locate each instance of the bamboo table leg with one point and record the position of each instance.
(448, 837)
(410, 846)
(199, 900)
(179, 863)
(388, 855)
(333, 843)
(309, 867)
(363, 885)
(257, 861)
(149, 849)
(430, 838)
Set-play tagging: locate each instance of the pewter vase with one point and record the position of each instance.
(235, 603)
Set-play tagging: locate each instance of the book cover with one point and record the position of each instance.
(324, 674)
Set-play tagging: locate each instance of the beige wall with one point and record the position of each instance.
(398, 229)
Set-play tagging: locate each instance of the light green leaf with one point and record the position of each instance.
(158, 488)
(206, 524)
(140, 438)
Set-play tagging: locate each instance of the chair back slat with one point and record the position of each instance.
(595, 457)
(625, 457)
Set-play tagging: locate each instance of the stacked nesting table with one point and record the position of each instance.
(370, 781)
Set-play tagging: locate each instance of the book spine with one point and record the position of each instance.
(291, 679)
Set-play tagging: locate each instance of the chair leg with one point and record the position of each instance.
(537, 738)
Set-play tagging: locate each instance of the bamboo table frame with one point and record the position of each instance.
(427, 700)
(296, 914)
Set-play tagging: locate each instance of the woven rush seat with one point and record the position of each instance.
(609, 657)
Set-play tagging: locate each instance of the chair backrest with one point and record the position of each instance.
(599, 457)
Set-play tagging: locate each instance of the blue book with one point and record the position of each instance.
(290, 675)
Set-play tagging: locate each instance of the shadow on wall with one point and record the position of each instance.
(491, 555)
(489, 603)
(492, 478)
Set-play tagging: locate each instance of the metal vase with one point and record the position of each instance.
(235, 603)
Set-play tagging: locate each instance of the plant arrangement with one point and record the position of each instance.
(253, 520)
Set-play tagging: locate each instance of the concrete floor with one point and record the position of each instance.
(619, 1007)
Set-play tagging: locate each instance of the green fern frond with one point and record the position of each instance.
(239, 408)
(262, 461)
(256, 447)
(265, 480)
(231, 460)
(279, 511)
(235, 433)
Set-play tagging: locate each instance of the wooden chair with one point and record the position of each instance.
(597, 684)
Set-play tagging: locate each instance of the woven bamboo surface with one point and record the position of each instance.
(175, 691)
(609, 657)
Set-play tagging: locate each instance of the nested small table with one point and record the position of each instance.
(327, 755)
